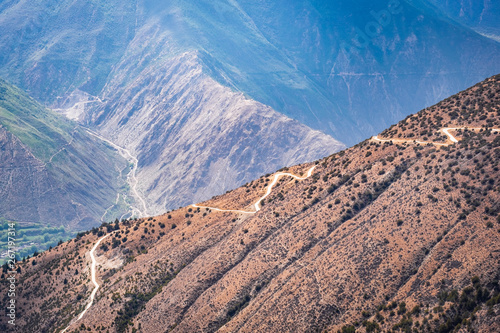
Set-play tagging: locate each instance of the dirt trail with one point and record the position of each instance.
(257, 205)
(451, 139)
(93, 278)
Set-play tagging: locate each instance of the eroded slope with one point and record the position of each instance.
(380, 236)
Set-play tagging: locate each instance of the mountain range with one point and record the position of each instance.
(397, 233)
(206, 96)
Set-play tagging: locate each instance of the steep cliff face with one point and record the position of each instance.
(386, 235)
(52, 171)
(194, 137)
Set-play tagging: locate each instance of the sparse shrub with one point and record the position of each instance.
(348, 329)
(402, 308)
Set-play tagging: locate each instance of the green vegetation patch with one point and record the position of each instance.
(32, 238)
(43, 131)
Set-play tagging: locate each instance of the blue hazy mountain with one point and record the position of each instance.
(211, 94)
(482, 16)
(286, 54)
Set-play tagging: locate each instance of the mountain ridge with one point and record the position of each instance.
(381, 236)
(193, 132)
(270, 59)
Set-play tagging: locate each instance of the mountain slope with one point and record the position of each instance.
(194, 137)
(372, 77)
(51, 48)
(294, 62)
(53, 172)
(380, 236)
(101, 63)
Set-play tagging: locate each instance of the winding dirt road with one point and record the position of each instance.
(257, 205)
(93, 278)
(445, 130)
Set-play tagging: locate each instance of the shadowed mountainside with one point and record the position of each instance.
(53, 171)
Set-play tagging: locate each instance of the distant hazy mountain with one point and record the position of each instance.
(481, 15)
(194, 137)
(329, 65)
(51, 170)
(285, 54)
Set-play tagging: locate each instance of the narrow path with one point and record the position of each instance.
(445, 130)
(93, 278)
(224, 210)
(257, 205)
(452, 138)
(64, 146)
(131, 177)
(107, 209)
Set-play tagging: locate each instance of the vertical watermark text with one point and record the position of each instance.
(11, 273)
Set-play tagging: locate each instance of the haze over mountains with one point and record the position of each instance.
(125, 110)
(482, 16)
(203, 93)
(383, 236)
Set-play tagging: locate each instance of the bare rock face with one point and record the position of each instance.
(195, 138)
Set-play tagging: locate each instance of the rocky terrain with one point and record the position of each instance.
(381, 237)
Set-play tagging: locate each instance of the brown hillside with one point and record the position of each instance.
(382, 236)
